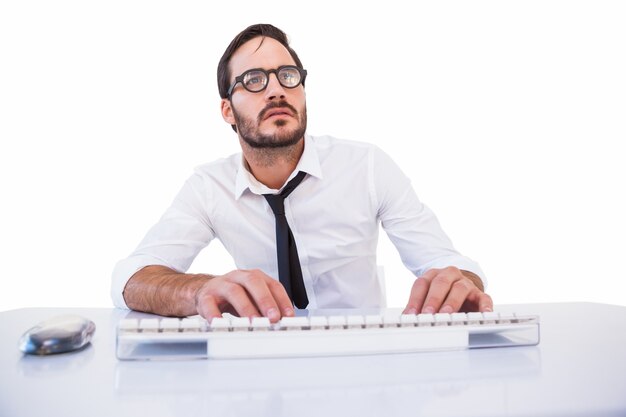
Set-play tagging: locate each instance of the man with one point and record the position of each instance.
(299, 214)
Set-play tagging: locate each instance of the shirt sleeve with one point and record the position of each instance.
(174, 241)
(411, 226)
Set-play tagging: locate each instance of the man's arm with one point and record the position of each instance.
(161, 290)
(445, 284)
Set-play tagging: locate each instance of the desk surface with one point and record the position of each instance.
(578, 369)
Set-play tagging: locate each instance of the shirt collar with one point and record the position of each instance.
(309, 162)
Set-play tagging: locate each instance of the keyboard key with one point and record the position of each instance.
(442, 319)
(355, 322)
(391, 320)
(149, 325)
(372, 321)
(506, 318)
(336, 322)
(318, 322)
(128, 325)
(490, 317)
(192, 324)
(294, 323)
(458, 318)
(408, 320)
(169, 325)
(239, 324)
(474, 317)
(220, 324)
(260, 323)
(425, 319)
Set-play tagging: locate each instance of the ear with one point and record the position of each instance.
(227, 111)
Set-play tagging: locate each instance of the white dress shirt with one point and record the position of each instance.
(334, 215)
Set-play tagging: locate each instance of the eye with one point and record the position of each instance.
(289, 77)
(254, 80)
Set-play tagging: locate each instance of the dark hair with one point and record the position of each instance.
(251, 32)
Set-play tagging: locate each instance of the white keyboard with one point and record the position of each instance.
(240, 337)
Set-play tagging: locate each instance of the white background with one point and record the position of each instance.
(508, 116)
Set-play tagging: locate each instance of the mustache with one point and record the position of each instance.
(274, 105)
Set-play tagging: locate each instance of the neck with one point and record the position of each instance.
(272, 166)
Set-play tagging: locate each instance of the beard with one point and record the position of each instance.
(248, 129)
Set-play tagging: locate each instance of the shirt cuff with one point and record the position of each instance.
(463, 264)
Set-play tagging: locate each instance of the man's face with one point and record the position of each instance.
(274, 117)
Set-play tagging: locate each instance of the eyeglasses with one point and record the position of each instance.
(257, 79)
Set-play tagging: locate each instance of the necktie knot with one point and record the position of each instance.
(276, 203)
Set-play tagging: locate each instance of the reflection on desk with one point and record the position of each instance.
(578, 369)
(378, 382)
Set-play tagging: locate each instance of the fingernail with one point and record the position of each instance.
(487, 309)
(447, 309)
(272, 314)
(289, 312)
(411, 310)
(429, 310)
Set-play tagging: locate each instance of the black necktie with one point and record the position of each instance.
(289, 271)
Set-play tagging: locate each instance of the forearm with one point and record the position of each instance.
(161, 290)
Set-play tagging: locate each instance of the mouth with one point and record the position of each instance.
(278, 112)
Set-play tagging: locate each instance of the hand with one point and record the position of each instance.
(246, 293)
(447, 290)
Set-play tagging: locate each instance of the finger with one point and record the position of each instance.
(437, 292)
(281, 297)
(257, 284)
(238, 297)
(417, 296)
(478, 301)
(207, 307)
(459, 292)
(419, 291)
(485, 303)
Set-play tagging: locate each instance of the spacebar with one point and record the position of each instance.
(301, 343)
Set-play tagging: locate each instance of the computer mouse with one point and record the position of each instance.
(57, 335)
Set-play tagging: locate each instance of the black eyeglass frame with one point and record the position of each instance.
(267, 73)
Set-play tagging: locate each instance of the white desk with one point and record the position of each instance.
(578, 369)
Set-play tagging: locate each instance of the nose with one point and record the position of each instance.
(274, 89)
